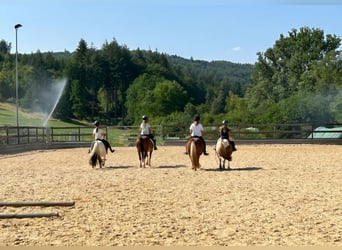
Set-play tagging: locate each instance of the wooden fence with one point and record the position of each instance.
(29, 138)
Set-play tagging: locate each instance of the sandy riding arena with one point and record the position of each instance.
(275, 195)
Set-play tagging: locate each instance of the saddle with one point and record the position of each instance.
(146, 137)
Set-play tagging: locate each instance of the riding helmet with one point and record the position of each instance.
(96, 123)
(144, 117)
(196, 118)
(224, 122)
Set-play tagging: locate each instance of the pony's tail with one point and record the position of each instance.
(141, 146)
(194, 155)
(93, 156)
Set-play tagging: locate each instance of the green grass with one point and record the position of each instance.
(8, 118)
(117, 136)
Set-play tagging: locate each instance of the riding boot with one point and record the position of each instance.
(205, 151)
(233, 144)
(154, 144)
(108, 146)
(205, 145)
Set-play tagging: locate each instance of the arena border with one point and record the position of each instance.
(16, 149)
(264, 141)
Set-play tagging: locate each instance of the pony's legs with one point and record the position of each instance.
(140, 159)
(149, 159)
(144, 158)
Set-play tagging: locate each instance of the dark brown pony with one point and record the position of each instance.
(144, 145)
(224, 152)
(195, 147)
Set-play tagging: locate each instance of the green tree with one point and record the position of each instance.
(291, 67)
(119, 73)
(140, 97)
(169, 97)
(5, 48)
(78, 75)
(7, 80)
(154, 96)
(77, 95)
(237, 109)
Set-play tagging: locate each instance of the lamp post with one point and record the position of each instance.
(17, 26)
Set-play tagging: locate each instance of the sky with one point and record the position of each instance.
(210, 30)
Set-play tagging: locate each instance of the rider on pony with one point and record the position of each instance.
(99, 135)
(145, 129)
(196, 130)
(224, 133)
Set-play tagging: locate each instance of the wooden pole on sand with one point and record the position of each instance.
(27, 215)
(37, 203)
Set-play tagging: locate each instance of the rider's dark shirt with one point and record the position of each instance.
(224, 132)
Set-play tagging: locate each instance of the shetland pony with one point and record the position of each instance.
(224, 152)
(195, 147)
(97, 154)
(144, 145)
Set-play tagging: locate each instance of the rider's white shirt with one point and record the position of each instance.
(145, 128)
(196, 130)
(98, 134)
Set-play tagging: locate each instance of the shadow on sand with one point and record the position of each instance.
(234, 169)
(174, 166)
(114, 167)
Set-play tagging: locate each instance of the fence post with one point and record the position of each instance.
(48, 135)
(18, 139)
(7, 136)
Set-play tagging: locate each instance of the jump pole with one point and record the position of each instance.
(37, 203)
(27, 215)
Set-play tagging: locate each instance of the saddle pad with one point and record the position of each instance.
(225, 143)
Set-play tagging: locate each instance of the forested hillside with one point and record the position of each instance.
(299, 79)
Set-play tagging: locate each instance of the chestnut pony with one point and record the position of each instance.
(194, 147)
(144, 145)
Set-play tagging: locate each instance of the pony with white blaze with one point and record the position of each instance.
(97, 154)
(224, 152)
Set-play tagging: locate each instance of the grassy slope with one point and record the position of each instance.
(8, 118)
(116, 137)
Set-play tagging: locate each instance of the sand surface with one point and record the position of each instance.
(275, 195)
